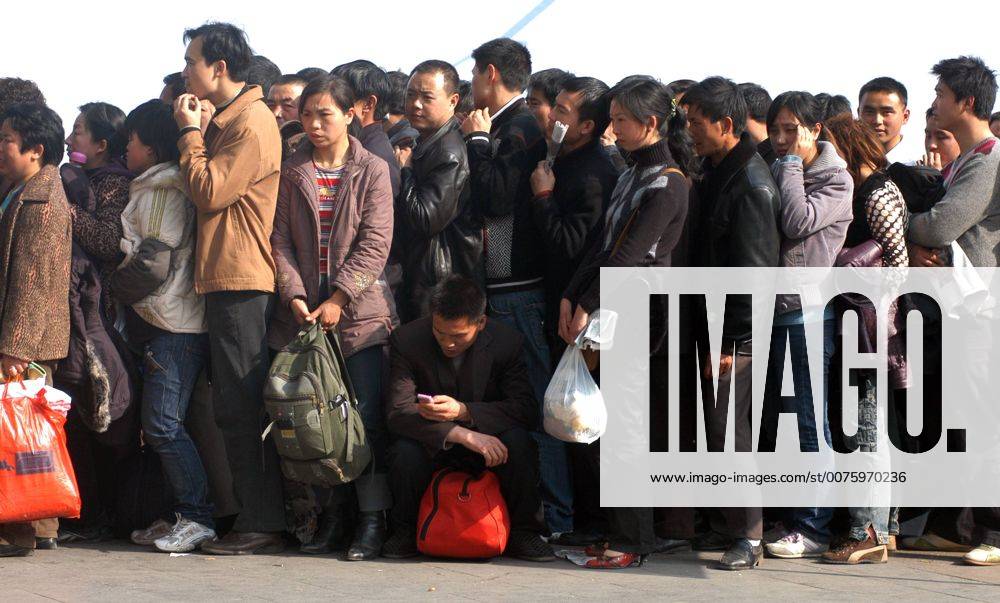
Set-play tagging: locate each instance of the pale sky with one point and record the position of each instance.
(118, 51)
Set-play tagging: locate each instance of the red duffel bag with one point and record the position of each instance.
(463, 516)
(36, 475)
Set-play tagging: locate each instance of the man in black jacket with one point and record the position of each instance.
(570, 196)
(371, 88)
(437, 232)
(477, 413)
(505, 144)
(735, 223)
(568, 205)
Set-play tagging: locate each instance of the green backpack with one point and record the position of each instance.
(315, 422)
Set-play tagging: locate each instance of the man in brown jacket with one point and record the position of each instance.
(230, 158)
(35, 236)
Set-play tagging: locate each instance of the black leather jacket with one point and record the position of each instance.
(438, 231)
(739, 211)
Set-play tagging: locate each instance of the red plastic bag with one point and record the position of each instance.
(463, 516)
(36, 474)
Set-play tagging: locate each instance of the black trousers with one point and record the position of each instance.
(237, 333)
(411, 467)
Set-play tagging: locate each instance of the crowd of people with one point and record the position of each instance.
(455, 251)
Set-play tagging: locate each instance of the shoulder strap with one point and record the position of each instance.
(635, 211)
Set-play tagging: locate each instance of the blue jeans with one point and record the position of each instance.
(172, 364)
(814, 522)
(525, 311)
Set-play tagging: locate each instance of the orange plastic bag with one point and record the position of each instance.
(36, 474)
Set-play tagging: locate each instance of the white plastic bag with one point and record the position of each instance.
(574, 409)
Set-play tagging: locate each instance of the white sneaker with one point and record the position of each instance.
(795, 546)
(185, 537)
(983, 554)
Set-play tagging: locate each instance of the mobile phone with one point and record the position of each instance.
(424, 398)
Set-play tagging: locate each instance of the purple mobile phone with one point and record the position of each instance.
(424, 398)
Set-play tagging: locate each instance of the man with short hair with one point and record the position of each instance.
(262, 72)
(736, 224)
(882, 104)
(479, 412)
(437, 232)
(995, 124)
(758, 102)
(283, 97)
(570, 197)
(230, 154)
(505, 145)
(371, 87)
(968, 214)
(543, 87)
(396, 126)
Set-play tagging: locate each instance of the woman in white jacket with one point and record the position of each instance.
(165, 319)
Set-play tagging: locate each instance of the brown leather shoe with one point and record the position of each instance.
(246, 543)
(853, 552)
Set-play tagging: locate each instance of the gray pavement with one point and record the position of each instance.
(121, 572)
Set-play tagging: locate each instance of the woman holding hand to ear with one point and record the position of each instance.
(331, 239)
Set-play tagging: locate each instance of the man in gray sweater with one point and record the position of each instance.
(969, 212)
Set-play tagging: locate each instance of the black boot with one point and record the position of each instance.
(368, 537)
(327, 536)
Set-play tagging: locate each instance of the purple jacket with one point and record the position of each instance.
(358, 250)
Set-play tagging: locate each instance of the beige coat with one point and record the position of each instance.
(232, 174)
(159, 209)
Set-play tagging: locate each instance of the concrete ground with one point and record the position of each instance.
(120, 572)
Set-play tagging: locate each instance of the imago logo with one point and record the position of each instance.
(756, 383)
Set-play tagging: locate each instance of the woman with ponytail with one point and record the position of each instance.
(642, 227)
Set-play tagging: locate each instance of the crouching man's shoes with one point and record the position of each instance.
(46, 544)
(528, 546)
(12, 550)
(742, 556)
(246, 543)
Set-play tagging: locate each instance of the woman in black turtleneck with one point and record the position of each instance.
(642, 227)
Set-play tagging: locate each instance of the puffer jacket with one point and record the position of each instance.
(157, 276)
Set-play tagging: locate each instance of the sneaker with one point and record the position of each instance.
(795, 546)
(983, 554)
(184, 537)
(528, 546)
(853, 552)
(154, 532)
